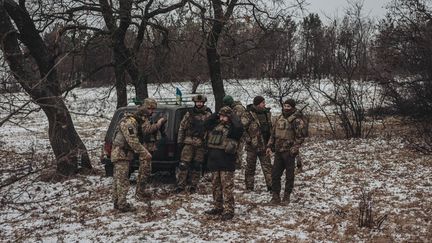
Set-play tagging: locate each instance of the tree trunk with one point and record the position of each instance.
(68, 147)
(42, 86)
(213, 61)
(141, 89)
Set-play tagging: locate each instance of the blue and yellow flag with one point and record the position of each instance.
(178, 96)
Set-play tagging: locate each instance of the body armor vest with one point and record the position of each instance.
(284, 129)
(218, 139)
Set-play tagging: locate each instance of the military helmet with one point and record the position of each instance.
(226, 111)
(150, 103)
(228, 100)
(199, 97)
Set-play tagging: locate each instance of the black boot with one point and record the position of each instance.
(214, 211)
(286, 198)
(178, 190)
(227, 216)
(192, 190)
(127, 208)
(275, 200)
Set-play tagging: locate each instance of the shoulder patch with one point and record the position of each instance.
(131, 131)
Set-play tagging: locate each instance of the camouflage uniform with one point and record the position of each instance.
(149, 138)
(191, 135)
(286, 139)
(222, 143)
(125, 144)
(257, 132)
(223, 191)
(239, 110)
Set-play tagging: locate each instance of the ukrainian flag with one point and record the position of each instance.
(178, 96)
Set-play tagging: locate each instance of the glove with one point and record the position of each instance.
(294, 150)
(269, 152)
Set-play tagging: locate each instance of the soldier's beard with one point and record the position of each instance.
(287, 112)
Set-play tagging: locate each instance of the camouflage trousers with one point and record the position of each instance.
(191, 160)
(283, 161)
(144, 173)
(120, 182)
(251, 161)
(223, 190)
(239, 154)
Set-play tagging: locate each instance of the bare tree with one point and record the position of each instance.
(403, 53)
(17, 26)
(349, 91)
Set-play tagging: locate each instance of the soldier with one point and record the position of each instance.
(125, 144)
(148, 137)
(257, 124)
(286, 139)
(239, 110)
(191, 139)
(225, 131)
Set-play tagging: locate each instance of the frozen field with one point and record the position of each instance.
(324, 204)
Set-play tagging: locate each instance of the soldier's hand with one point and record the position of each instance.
(269, 152)
(294, 150)
(161, 121)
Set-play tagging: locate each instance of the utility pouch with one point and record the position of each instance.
(231, 146)
(215, 138)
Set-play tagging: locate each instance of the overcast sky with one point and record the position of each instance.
(375, 8)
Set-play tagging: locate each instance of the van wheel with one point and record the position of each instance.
(109, 169)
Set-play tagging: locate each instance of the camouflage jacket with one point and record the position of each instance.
(126, 139)
(238, 108)
(257, 125)
(286, 133)
(150, 133)
(191, 130)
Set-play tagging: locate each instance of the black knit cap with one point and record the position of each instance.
(290, 102)
(257, 100)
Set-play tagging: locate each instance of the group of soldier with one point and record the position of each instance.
(216, 141)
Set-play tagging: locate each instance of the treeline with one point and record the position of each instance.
(51, 47)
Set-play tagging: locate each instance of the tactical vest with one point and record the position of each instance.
(284, 129)
(264, 125)
(218, 139)
(195, 132)
(196, 126)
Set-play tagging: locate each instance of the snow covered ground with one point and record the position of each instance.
(324, 204)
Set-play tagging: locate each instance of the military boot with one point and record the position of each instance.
(179, 190)
(275, 200)
(143, 196)
(126, 208)
(286, 199)
(214, 211)
(192, 190)
(227, 216)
